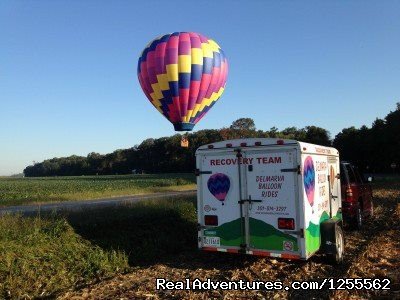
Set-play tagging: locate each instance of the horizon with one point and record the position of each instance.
(279, 130)
(69, 84)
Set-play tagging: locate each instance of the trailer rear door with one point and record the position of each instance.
(273, 201)
(219, 212)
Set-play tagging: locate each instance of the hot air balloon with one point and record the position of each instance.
(218, 184)
(309, 179)
(183, 74)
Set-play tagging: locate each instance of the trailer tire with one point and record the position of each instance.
(337, 258)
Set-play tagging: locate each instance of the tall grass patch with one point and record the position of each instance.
(46, 255)
(40, 257)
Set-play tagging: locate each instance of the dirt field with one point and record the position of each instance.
(373, 252)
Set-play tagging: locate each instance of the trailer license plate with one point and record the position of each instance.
(211, 241)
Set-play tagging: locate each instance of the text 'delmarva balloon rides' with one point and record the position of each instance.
(183, 74)
(218, 184)
(309, 179)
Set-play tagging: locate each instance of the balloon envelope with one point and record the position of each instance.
(183, 74)
(309, 179)
(218, 184)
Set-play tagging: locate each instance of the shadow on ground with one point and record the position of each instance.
(151, 232)
(160, 231)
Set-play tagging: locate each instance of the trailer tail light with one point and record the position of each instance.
(211, 220)
(243, 144)
(210, 146)
(228, 145)
(258, 143)
(286, 223)
(280, 142)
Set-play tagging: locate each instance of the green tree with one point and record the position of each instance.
(273, 132)
(243, 124)
(317, 135)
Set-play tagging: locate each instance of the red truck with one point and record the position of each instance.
(356, 196)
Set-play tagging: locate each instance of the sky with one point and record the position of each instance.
(68, 82)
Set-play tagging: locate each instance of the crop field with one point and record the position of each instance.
(118, 253)
(16, 191)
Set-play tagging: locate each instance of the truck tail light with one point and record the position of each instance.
(349, 194)
(280, 142)
(286, 223)
(211, 220)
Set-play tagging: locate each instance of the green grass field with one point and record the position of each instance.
(16, 191)
(44, 255)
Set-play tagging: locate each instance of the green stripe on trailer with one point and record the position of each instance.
(262, 235)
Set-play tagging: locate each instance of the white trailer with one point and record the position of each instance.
(269, 197)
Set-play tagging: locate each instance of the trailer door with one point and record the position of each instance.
(219, 212)
(335, 196)
(273, 201)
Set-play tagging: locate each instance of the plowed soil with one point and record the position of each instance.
(373, 252)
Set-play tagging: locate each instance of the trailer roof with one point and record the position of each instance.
(257, 142)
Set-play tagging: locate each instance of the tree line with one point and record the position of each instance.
(373, 149)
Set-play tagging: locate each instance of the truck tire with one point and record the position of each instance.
(337, 258)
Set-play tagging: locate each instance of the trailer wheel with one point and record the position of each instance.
(337, 258)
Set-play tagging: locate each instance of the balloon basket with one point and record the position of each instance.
(184, 142)
(183, 126)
